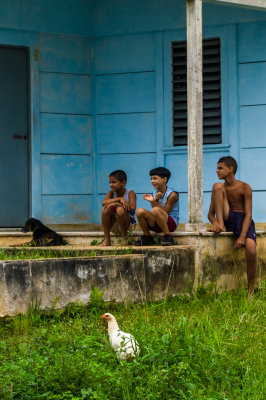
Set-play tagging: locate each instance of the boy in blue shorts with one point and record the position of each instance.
(119, 205)
(231, 211)
(164, 215)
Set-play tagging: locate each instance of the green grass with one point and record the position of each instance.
(25, 253)
(205, 346)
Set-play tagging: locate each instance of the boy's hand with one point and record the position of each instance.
(108, 207)
(125, 204)
(158, 195)
(148, 197)
(240, 242)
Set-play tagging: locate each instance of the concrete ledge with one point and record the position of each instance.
(16, 238)
(151, 273)
(135, 277)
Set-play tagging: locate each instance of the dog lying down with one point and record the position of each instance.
(42, 235)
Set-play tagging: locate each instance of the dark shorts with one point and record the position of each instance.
(234, 224)
(171, 226)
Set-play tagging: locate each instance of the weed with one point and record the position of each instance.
(95, 242)
(96, 296)
(204, 346)
(26, 253)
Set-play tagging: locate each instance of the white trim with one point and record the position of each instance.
(255, 4)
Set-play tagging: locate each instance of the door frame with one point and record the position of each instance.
(30, 40)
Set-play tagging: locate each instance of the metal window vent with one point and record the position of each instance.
(212, 122)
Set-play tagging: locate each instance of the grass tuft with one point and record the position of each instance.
(25, 253)
(201, 346)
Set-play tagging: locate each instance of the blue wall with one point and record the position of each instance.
(101, 98)
(65, 129)
(252, 111)
(71, 17)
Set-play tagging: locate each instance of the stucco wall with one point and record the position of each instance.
(101, 99)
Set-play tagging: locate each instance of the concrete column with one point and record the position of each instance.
(195, 115)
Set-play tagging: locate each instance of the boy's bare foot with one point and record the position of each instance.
(217, 228)
(105, 243)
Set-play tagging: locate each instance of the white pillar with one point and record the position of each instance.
(195, 115)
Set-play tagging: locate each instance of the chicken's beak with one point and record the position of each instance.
(103, 316)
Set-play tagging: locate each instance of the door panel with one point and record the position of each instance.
(14, 165)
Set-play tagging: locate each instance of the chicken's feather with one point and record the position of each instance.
(124, 344)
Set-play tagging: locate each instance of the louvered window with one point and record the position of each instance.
(212, 124)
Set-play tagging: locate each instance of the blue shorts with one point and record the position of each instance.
(234, 224)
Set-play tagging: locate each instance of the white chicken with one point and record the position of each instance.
(124, 344)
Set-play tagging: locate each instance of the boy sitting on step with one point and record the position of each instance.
(119, 206)
(231, 211)
(164, 215)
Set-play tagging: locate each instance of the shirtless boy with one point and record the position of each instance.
(231, 211)
(164, 216)
(119, 205)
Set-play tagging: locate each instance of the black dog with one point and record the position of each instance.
(42, 235)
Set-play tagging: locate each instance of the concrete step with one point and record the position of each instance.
(17, 238)
(14, 238)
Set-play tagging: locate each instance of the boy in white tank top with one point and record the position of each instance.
(164, 214)
(119, 205)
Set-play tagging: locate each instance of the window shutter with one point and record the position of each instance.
(212, 125)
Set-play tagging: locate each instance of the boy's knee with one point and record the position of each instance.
(140, 212)
(120, 211)
(156, 211)
(251, 249)
(218, 187)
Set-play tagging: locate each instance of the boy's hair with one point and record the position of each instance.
(229, 162)
(162, 172)
(119, 174)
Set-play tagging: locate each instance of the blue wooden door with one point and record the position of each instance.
(14, 132)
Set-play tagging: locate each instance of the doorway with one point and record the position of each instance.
(14, 136)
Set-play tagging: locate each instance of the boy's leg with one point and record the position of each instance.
(108, 220)
(251, 256)
(221, 206)
(146, 219)
(161, 217)
(123, 220)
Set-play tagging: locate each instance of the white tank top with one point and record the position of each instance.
(133, 218)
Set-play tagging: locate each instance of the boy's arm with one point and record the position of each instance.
(132, 201)
(241, 240)
(109, 199)
(172, 199)
(129, 205)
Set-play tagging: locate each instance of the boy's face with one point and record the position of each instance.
(115, 184)
(223, 171)
(158, 182)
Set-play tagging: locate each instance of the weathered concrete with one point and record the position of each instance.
(152, 275)
(217, 260)
(194, 112)
(200, 258)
